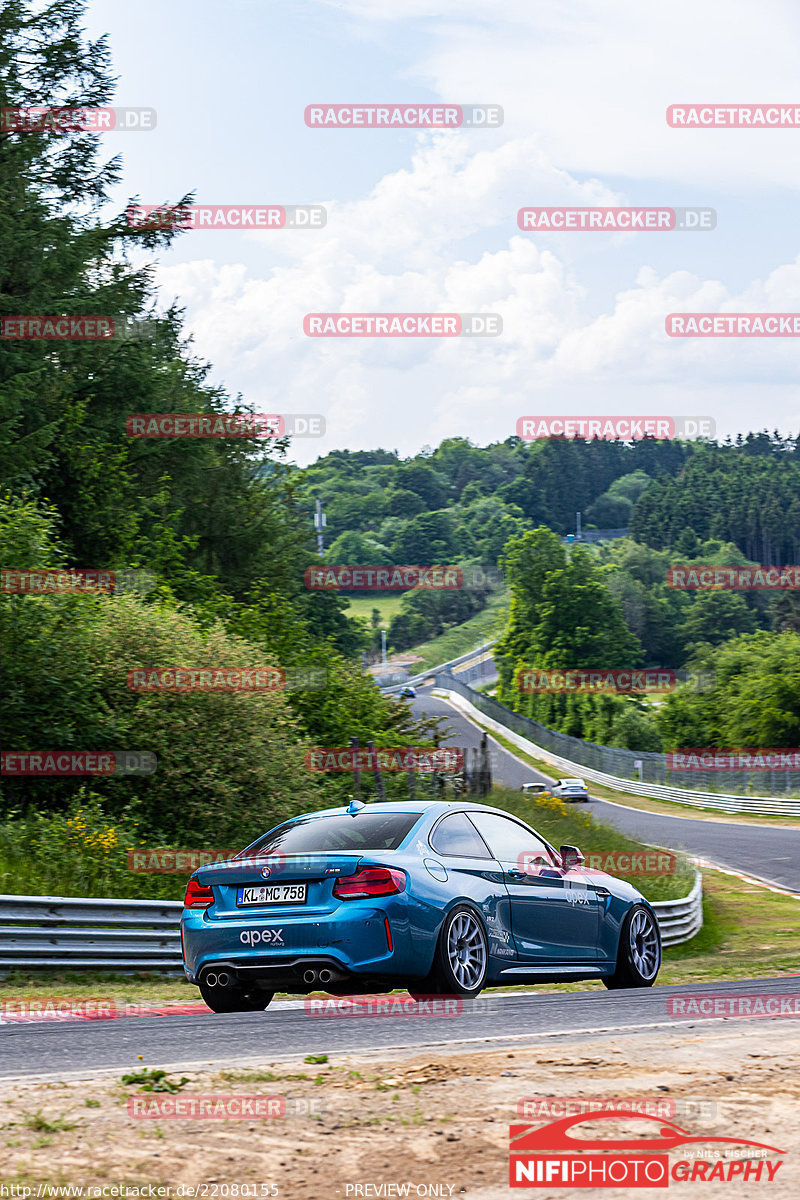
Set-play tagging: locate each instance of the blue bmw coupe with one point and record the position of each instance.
(437, 897)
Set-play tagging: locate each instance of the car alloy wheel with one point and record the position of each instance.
(464, 953)
(644, 943)
(639, 956)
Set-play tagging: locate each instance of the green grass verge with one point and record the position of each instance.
(748, 932)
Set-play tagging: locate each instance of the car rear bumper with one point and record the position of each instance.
(351, 941)
(285, 975)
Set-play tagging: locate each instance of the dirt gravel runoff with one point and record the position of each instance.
(433, 1124)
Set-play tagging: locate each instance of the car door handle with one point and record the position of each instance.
(516, 874)
(602, 893)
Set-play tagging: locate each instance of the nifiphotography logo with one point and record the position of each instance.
(553, 1155)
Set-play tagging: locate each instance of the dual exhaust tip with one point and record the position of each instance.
(223, 979)
(312, 976)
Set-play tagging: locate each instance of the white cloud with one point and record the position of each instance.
(594, 78)
(584, 85)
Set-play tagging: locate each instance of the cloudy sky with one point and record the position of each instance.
(426, 222)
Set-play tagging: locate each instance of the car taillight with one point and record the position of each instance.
(370, 881)
(197, 895)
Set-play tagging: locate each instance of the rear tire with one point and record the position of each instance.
(234, 998)
(461, 961)
(639, 954)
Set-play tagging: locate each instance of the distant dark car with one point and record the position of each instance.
(570, 790)
(409, 692)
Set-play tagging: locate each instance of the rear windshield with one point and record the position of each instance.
(365, 831)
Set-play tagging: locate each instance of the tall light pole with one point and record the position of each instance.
(320, 521)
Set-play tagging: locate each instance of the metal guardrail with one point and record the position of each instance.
(58, 932)
(448, 666)
(680, 920)
(545, 743)
(49, 932)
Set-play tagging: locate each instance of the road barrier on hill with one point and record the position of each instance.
(472, 659)
(59, 933)
(614, 768)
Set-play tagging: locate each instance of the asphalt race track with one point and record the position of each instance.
(284, 1029)
(765, 852)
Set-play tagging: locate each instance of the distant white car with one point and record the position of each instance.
(533, 789)
(570, 790)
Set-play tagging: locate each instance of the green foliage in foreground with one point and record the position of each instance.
(230, 763)
(85, 852)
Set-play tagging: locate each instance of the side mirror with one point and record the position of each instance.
(571, 857)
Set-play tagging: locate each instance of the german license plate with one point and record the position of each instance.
(274, 893)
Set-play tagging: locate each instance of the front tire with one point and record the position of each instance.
(234, 998)
(639, 954)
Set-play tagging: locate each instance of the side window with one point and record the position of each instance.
(506, 839)
(455, 836)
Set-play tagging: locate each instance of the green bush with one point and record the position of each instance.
(230, 764)
(77, 852)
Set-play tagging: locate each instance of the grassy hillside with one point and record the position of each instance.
(387, 604)
(457, 641)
